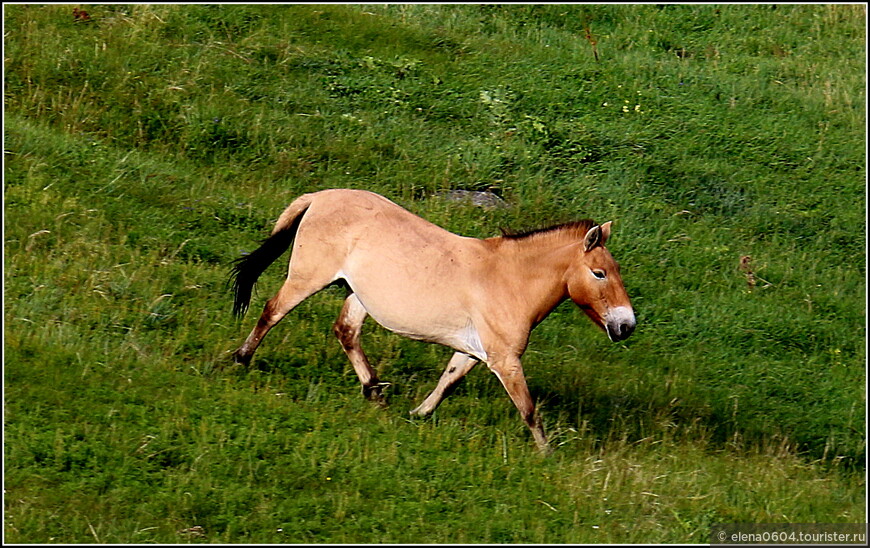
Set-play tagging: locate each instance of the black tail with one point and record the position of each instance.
(247, 269)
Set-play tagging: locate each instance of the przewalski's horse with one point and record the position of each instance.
(480, 297)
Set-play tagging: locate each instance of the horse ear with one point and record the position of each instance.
(593, 238)
(597, 236)
(605, 232)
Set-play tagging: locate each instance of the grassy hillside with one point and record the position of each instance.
(146, 147)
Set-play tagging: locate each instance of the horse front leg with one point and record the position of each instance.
(509, 371)
(459, 365)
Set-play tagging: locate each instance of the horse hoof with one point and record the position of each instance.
(241, 359)
(420, 411)
(375, 393)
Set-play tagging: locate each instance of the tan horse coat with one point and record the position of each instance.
(479, 297)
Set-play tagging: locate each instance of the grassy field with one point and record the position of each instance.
(147, 146)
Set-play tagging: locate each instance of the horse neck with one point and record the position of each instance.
(539, 264)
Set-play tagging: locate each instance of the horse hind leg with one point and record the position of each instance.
(347, 328)
(460, 364)
(288, 297)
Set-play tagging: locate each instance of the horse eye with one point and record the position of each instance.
(599, 274)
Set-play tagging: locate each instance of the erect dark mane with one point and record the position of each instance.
(578, 227)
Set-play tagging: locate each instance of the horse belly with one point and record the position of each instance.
(465, 339)
(442, 321)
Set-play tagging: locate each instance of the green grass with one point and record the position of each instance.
(148, 148)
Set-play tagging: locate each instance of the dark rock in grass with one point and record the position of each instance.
(485, 199)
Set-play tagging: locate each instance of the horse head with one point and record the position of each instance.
(595, 285)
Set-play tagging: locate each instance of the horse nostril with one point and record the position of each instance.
(620, 324)
(623, 331)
